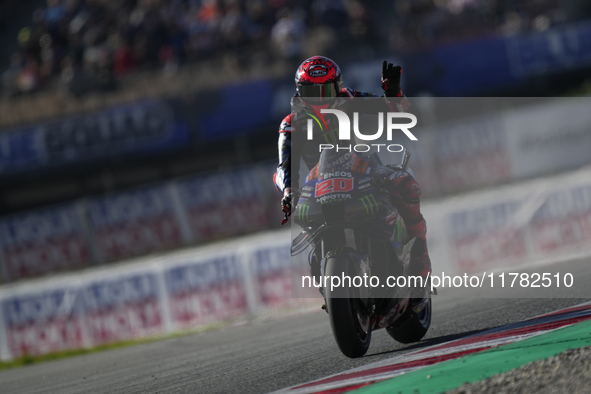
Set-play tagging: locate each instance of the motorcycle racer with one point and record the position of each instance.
(320, 78)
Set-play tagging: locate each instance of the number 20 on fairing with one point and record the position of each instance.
(334, 185)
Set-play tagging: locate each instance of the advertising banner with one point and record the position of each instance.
(225, 203)
(237, 109)
(136, 128)
(206, 290)
(554, 50)
(471, 153)
(43, 322)
(549, 136)
(563, 221)
(133, 222)
(42, 241)
(517, 225)
(487, 237)
(121, 308)
(271, 269)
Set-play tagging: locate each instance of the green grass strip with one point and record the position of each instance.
(28, 359)
(451, 374)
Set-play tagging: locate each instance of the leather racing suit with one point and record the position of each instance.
(404, 189)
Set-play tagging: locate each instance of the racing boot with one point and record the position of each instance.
(420, 263)
(406, 194)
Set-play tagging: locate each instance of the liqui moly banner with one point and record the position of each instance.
(225, 203)
(134, 222)
(270, 266)
(486, 237)
(43, 322)
(120, 308)
(518, 224)
(563, 221)
(206, 290)
(42, 241)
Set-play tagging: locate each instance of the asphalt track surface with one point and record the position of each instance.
(263, 357)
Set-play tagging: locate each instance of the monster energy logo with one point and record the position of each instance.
(369, 202)
(303, 211)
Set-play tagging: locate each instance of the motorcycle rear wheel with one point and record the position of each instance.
(349, 322)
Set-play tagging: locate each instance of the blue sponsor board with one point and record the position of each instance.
(242, 108)
(133, 222)
(129, 207)
(42, 241)
(117, 292)
(554, 50)
(136, 128)
(202, 275)
(21, 149)
(495, 63)
(66, 302)
(217, 188)
(31, 308)
(565, 204)
(269, 259)
(39, 226)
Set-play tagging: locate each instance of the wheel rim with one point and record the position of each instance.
(362, 322)
(424, 313)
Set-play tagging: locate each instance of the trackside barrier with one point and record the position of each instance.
(43, 241)
(107, 228)
(506, 227)
(206, 285)
(527, 223)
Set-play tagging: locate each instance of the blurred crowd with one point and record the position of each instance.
(90, 44)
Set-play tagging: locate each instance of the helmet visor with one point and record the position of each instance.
(321, 91)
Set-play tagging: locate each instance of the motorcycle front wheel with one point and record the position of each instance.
(348, 315)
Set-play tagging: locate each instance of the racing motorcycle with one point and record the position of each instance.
(354, 230)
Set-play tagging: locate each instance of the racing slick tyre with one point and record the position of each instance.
(348, 315)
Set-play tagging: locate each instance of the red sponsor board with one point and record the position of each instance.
(129, 238)
(553, 235)
(275, 288)
(45, 337)
(479, 252)
(120, 323)
(466, 172)
(22, 261)
(222, 302)
(233, 217)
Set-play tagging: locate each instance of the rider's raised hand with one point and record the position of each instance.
(391, 79)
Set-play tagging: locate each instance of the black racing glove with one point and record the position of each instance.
(286, 204)
(286, 200)
(391, 79)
